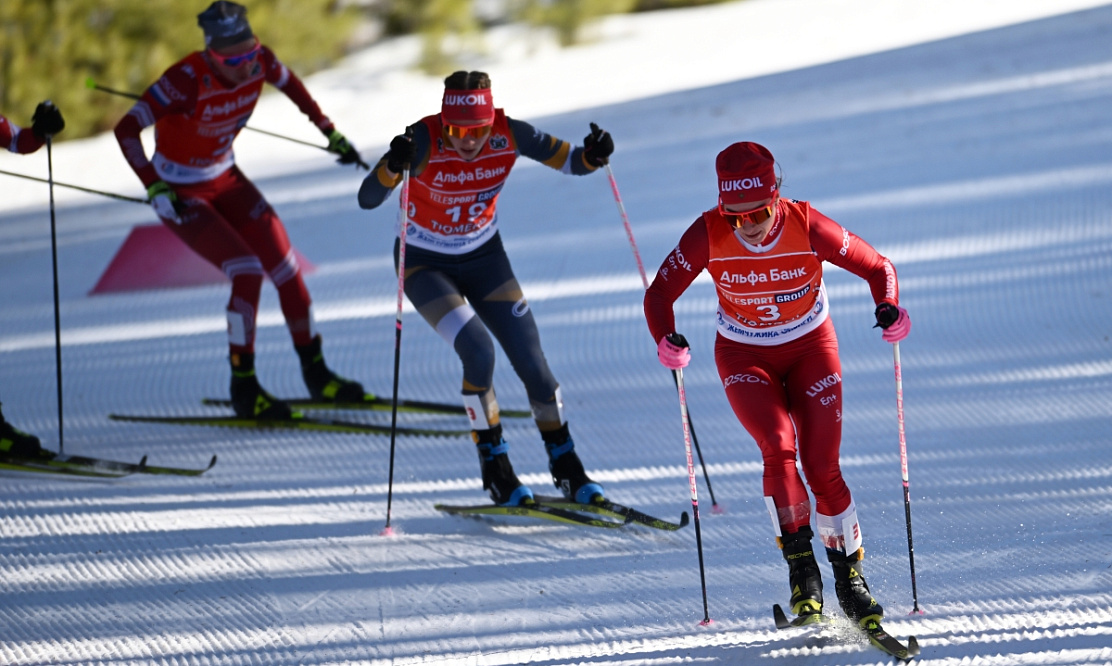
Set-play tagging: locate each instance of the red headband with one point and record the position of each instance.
(467, 107)
(746, 172)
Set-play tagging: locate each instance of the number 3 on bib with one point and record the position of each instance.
(772, 313)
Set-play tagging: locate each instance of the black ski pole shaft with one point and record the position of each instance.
(57, 309)
(75, 187)
(93, 85)
(645, 284)
(290, 138)
(685, 420)
(397, 344)
(903, 469)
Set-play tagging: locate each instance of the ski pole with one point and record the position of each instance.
(57, 309)
(645, 283)
(903, 469)
(628, 227)
(387, 531)
(685, 420)
(93, 85)
(52, 183)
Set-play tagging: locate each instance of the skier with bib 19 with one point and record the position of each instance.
(47, 121)
(777, 356)
(457, 273)
(198, 107)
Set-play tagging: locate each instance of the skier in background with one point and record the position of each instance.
(777, 356)
(457, 273)
(198, 107)
(46, 121)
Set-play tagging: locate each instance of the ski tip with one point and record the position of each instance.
(684, 519)
(912, 646)
(212, 463)
(143, 461)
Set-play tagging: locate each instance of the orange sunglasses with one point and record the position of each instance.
(464, 131)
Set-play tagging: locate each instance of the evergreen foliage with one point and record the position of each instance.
(568, 17)
(447, 28)
(50, 47)
(653, 5)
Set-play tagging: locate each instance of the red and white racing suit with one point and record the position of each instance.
(776, 350)
(197, 115)
(17, 139)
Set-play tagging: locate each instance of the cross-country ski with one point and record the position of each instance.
(298, 422)
(374, 403)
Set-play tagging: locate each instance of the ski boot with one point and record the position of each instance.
(17, 443)
(568, 474)
(803, 573)
(853, 592)
(324, 384)
(498, 474)
(249, 400)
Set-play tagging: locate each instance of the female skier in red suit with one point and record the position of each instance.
(777, 355)
(198, 107)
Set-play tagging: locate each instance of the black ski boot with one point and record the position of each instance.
(17, 443)
(853, 592)
(803, 573)
(568, 474)
(324, 384)
(498, 474)
(249, 400)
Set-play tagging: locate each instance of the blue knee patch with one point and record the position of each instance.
(557, 450)
(491, 450)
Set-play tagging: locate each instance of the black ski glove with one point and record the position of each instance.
(886, 315)
(678, 340)
(402, 152)
(47, 120)
(338, 143)
(597, 146)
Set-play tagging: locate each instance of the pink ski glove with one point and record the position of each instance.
(894, 320)
(673, 351)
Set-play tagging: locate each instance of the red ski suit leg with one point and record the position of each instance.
(789, 399)
(230, 224)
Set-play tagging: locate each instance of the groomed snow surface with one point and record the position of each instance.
(970, 144)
